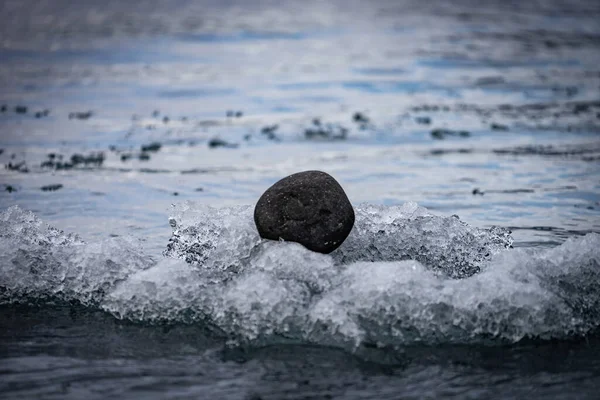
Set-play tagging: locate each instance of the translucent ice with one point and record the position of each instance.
(16, 223)
(220, 238)
(225, 238)
(261, 292)
(39, 261)
(408, 232)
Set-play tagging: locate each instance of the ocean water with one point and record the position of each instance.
(136, 138)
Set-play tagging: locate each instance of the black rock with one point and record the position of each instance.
(216, 142)
(96, 159)
(81, 115)
(10, 188)
(442, 133)
(498, 127)
(21, 109)
(126, 156)
(42, 114)
(326, 131)
(3, 108)
(20, 167)
(269, 131)
(52, 188)
(309, 208)
(154, 147)
(360, 118)
(423, 120)
(144, 156)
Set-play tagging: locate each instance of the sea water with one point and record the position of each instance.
(466, 137)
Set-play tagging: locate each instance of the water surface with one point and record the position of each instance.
(377, 94)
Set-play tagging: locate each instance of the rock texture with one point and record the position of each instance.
(309, 208)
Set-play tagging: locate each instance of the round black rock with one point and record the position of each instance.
(309, 208)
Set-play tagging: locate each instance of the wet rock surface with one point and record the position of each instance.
(309, 208)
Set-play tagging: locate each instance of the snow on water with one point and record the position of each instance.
(390, 289)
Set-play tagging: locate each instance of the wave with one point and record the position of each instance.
(403, 277)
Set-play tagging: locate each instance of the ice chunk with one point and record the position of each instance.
(170, 290)
(287, 292)
(444, 244)
(258, 307)
(281, 291)
(551, 293)
(293, 261)
(220, 238)
(225, 238)
(16, 223)
(38, 261)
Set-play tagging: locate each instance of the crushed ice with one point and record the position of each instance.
(392, 283)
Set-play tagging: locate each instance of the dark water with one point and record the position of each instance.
(69, 352)
(486, 114)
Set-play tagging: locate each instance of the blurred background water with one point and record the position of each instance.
(111, 112)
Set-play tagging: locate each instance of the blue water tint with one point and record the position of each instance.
(285, 109)
(199, 92)
(380, 71)
(488, 165)
(394, 86)
(283, 66)
(588, 196)
(447, 63)
(242, 36)
(306, 85)
(315, 99)
(141, 53)
(276, 102)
